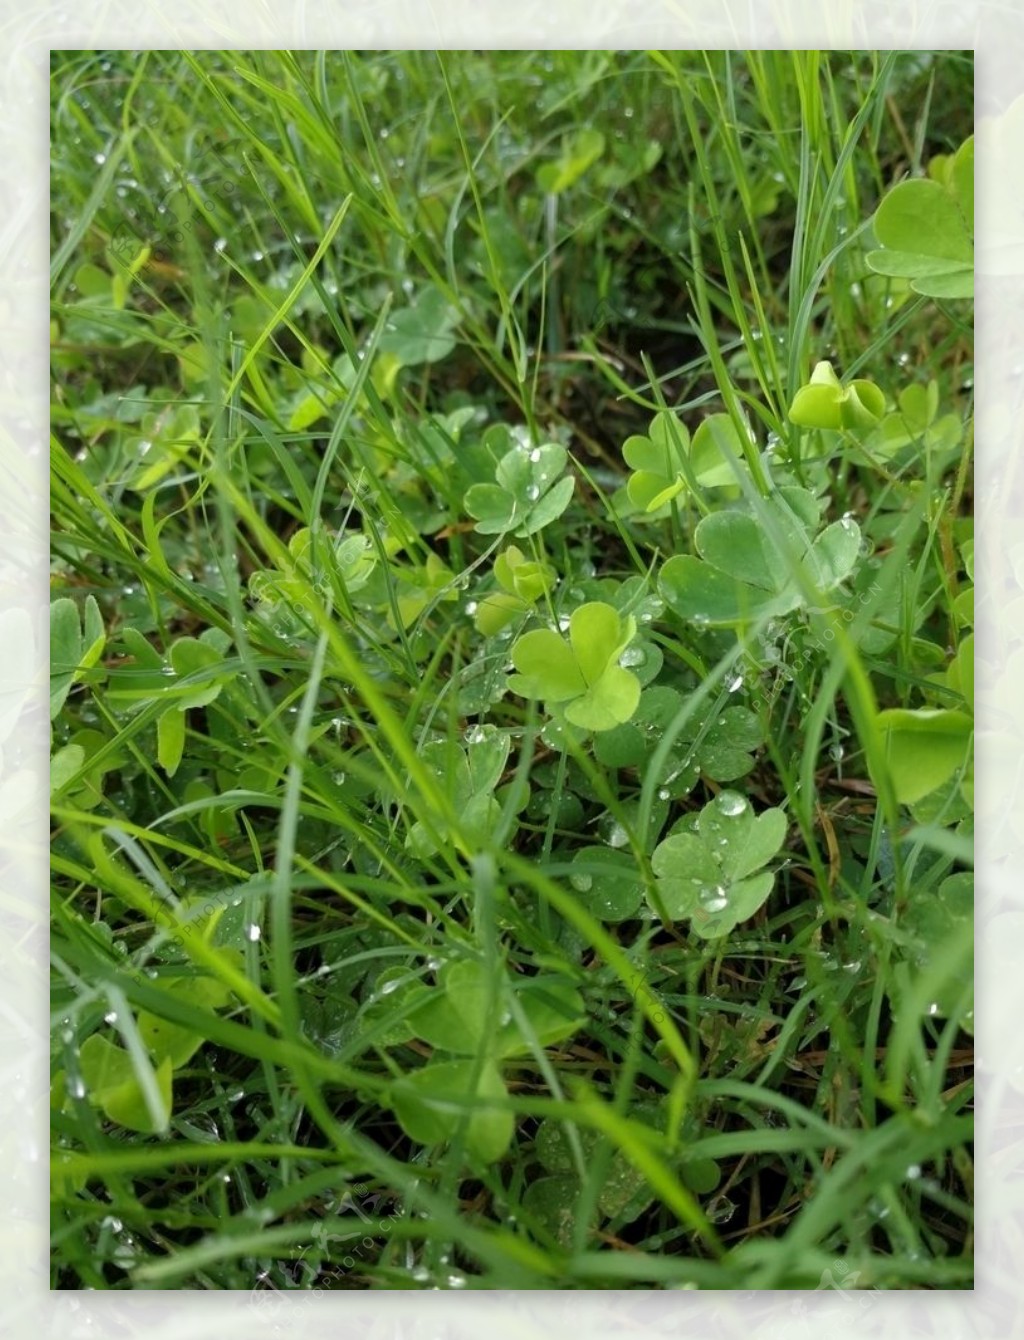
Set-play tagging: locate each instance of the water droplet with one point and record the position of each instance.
(582, 883)
(471, 607)
(252, 931)
(533, 492)
(713, 898)
(913, 1172)
(220, 244)
(76, 1086)
(535, 455)
(476, 736)
(731, 803)
(617, 836)
(99, 159)
(664, 793)
(633, 656)
(735, 684)
(110, 1017)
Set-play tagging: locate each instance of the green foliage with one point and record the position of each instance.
(825, 403)
(530, 492)
(705, 868)
(582, 675)
(76, 645)
(746, 571)
(523, 582)
(926, 228)
(924, 748)
(438, 527)
(660, 459)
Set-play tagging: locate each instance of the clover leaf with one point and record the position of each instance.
(926, 229)
(522, 583)
(579, 152)
(826, 403)
(452, 1017)
(528, 495)
(924, 748)
(717, 744)
(660, 459)
(469, 777)
(421, 332)
(744, 573)
(74, 648)
(114, 1084)
(705, 870)
(915, 420)
(419, 1099)
(582, 673)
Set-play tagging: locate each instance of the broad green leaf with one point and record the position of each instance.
(189, 656)
(554, 1010)
(65, 650)
(707, 597)
(421, 332)
(528, 493)
(547, 668)
(734, 543)
(657, 459)
(553, 1200)
(610, 700)
(596, 634)
(707, 875)
(488, 1133)
(924, 748)
(166, 1040)
(65, 764)
(599, 694)
(170, 739)
(607, 882)
(825, 403)
(110, 1078)
(926, 231)
(745, 573)
(834, 554)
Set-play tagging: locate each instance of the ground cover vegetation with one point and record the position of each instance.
(511, 670)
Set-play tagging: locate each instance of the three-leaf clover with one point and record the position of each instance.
(716, 743)
(584, 673)
(705, 870)
(469, 777)
(916, 420)
(453, 1017)
(662, 459)
(529, 493)
(926, 228)
(826, 403)
(745, 572)
(522, 580)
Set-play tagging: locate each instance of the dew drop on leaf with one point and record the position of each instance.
(731, 803)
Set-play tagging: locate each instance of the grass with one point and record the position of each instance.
(370, 970)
